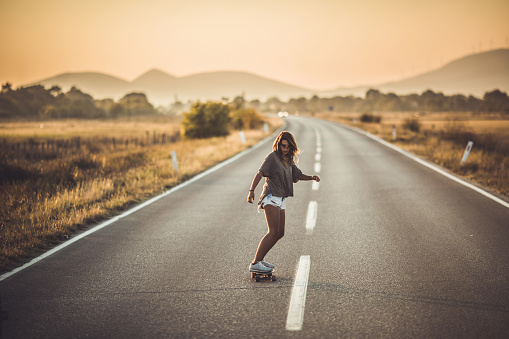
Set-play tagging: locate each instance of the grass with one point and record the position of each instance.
(442, 138)
(45, 201)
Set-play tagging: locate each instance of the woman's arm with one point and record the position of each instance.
(258, 176)
(309, 177)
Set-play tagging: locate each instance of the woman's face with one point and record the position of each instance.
(285, 147)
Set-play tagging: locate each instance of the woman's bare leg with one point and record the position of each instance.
(276, 224)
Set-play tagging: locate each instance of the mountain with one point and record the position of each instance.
(474, 74)
(471, 75)
(162, 88)
(98, 85)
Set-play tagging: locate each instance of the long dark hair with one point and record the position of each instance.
(294, 150)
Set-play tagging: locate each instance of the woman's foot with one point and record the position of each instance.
(259, 268)
(268, 264)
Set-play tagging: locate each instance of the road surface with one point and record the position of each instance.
(382, 247)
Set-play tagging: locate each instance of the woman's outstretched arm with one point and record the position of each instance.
(309, 177)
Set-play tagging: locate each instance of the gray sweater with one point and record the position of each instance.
(279, 178)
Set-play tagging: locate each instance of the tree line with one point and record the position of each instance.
(37, 102)
(376, 101)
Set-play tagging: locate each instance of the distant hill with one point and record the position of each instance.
(162, 88)
(471, 75)
(98, 85)
(474, 74)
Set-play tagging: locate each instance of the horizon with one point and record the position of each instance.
(248, 72)
(320, 46)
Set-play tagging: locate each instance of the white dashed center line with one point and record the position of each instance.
(318, 167)
(311, 216)
(295, 317)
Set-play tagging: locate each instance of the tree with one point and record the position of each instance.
(245, 119)
(496, 101)
(137, 104)
(55, 90)
(7, 87)
(206, 120)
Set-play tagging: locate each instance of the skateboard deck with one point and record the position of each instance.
(257, 276)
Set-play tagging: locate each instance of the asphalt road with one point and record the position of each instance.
(397, 250)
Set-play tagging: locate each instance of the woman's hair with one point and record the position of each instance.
(294, 150)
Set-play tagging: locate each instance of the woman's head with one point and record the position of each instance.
(286, 146)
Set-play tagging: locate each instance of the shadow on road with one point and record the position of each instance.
(335, 288)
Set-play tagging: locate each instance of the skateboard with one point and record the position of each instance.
(257, 276)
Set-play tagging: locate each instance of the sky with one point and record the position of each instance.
(316, 44)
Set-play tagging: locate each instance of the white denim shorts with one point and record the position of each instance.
(274, 201)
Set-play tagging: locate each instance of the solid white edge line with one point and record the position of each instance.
(429, 165)
(295, 317)
(311, 216)
(139, 207)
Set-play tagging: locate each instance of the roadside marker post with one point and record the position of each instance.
(242, 137)
(174, 159)
(467, 152)
(393, 132)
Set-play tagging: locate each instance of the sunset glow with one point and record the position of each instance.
(320, 45)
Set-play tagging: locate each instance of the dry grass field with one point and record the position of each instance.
(442, 139)
(47, 194)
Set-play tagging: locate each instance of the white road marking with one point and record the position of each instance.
(318, 138)
(315, 186)
(429, 165)
(311, 217)
(318, 167)
(295, 317)
(139, 207)
(318, 150)
(318, 156)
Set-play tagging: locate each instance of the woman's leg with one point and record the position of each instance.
(276, 225)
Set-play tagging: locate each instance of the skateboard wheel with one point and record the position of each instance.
(257, 278)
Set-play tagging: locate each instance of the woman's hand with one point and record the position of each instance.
(316, 178)
(250, 197)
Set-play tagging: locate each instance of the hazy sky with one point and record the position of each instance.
(318, 44)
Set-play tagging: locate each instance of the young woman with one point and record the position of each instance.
(280, 172)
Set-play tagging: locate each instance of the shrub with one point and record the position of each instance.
(369, 118)
(245, 119)
(412, 124)
(206, 120)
